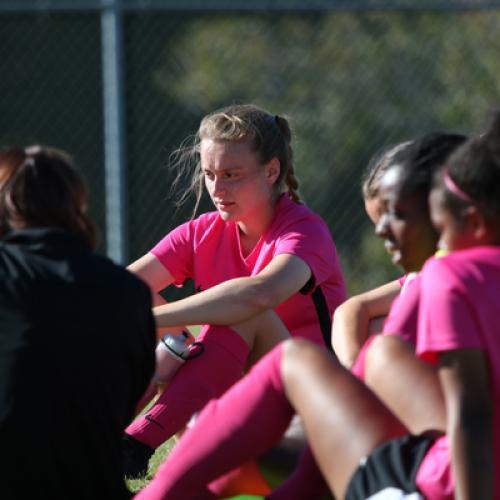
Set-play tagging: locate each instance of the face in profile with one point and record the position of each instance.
(451, 232)
(373, 208)
(404, 225)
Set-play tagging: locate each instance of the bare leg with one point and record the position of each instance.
(262, 333)
(343, 419)
(391, 368)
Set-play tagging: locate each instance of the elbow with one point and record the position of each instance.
(260, 296)
(352, 309)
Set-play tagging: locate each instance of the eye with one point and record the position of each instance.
(394, 213)
(208, 175)
(395, 210)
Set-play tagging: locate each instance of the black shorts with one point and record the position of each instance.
(390, 471)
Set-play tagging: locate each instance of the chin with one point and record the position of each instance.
(225, 216)
(397, 259)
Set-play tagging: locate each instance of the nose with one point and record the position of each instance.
(382, 227)
(219, 185)
(216, 186)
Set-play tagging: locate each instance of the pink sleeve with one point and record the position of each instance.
(402, 280)
(175, 252)
(313, 243)
(403, 316)
(446, 318)
(358, 368)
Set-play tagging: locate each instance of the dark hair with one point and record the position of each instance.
(40, 187)
(270, 137)
(423, 158)
(475, 169)
(377, 166)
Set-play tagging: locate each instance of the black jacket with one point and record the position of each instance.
(76, 352)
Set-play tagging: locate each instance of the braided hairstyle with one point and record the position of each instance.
(269, 135)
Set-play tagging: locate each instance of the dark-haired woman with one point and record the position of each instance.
(72, 363)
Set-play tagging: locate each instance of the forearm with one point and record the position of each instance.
(464, 375)
(472, 461)
(349, 331)
(158, 300)
(228, 303)
(354, 321)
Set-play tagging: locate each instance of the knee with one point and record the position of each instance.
(301, 354)
(386, 346)
(384, 349)
(295, 349)
(301, 348)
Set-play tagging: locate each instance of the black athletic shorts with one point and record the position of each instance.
(390, 471)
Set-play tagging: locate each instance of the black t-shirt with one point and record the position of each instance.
(77, 343)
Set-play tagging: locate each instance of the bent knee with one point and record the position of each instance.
(299, 354)
(386, 347)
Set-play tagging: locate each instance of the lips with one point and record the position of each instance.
(390, 247)
(224, 204)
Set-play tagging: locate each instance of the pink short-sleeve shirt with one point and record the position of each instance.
(207, 250)
(403, 316)
(459, 309)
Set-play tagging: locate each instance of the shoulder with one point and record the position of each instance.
(292, 216)
(462, 268)
(196, 228)
(190, 233)
(116, 275)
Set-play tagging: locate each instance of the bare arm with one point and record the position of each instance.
(464, 378)
(352, 320)
(239, 299)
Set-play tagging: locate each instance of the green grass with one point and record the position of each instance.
(134, 485)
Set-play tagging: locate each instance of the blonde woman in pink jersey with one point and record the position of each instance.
(261, 250)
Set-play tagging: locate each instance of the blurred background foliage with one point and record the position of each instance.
(351, 82)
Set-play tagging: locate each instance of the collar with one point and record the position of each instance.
(47, 240)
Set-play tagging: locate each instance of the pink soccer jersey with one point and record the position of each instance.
(208, 251)
(459, 309)
(403, 316)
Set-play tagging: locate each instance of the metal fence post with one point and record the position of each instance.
(114, 127)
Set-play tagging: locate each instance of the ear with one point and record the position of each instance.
(272, 170)
(477, 225)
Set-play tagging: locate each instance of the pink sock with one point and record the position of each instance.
(198, 380)
(306, 481)
(246, 421)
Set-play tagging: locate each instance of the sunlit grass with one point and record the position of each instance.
(135, 485)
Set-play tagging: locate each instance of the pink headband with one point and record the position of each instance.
(450, 184)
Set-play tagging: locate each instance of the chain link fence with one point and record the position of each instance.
(350, 79)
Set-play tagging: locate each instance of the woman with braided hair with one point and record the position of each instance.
(261, 250)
